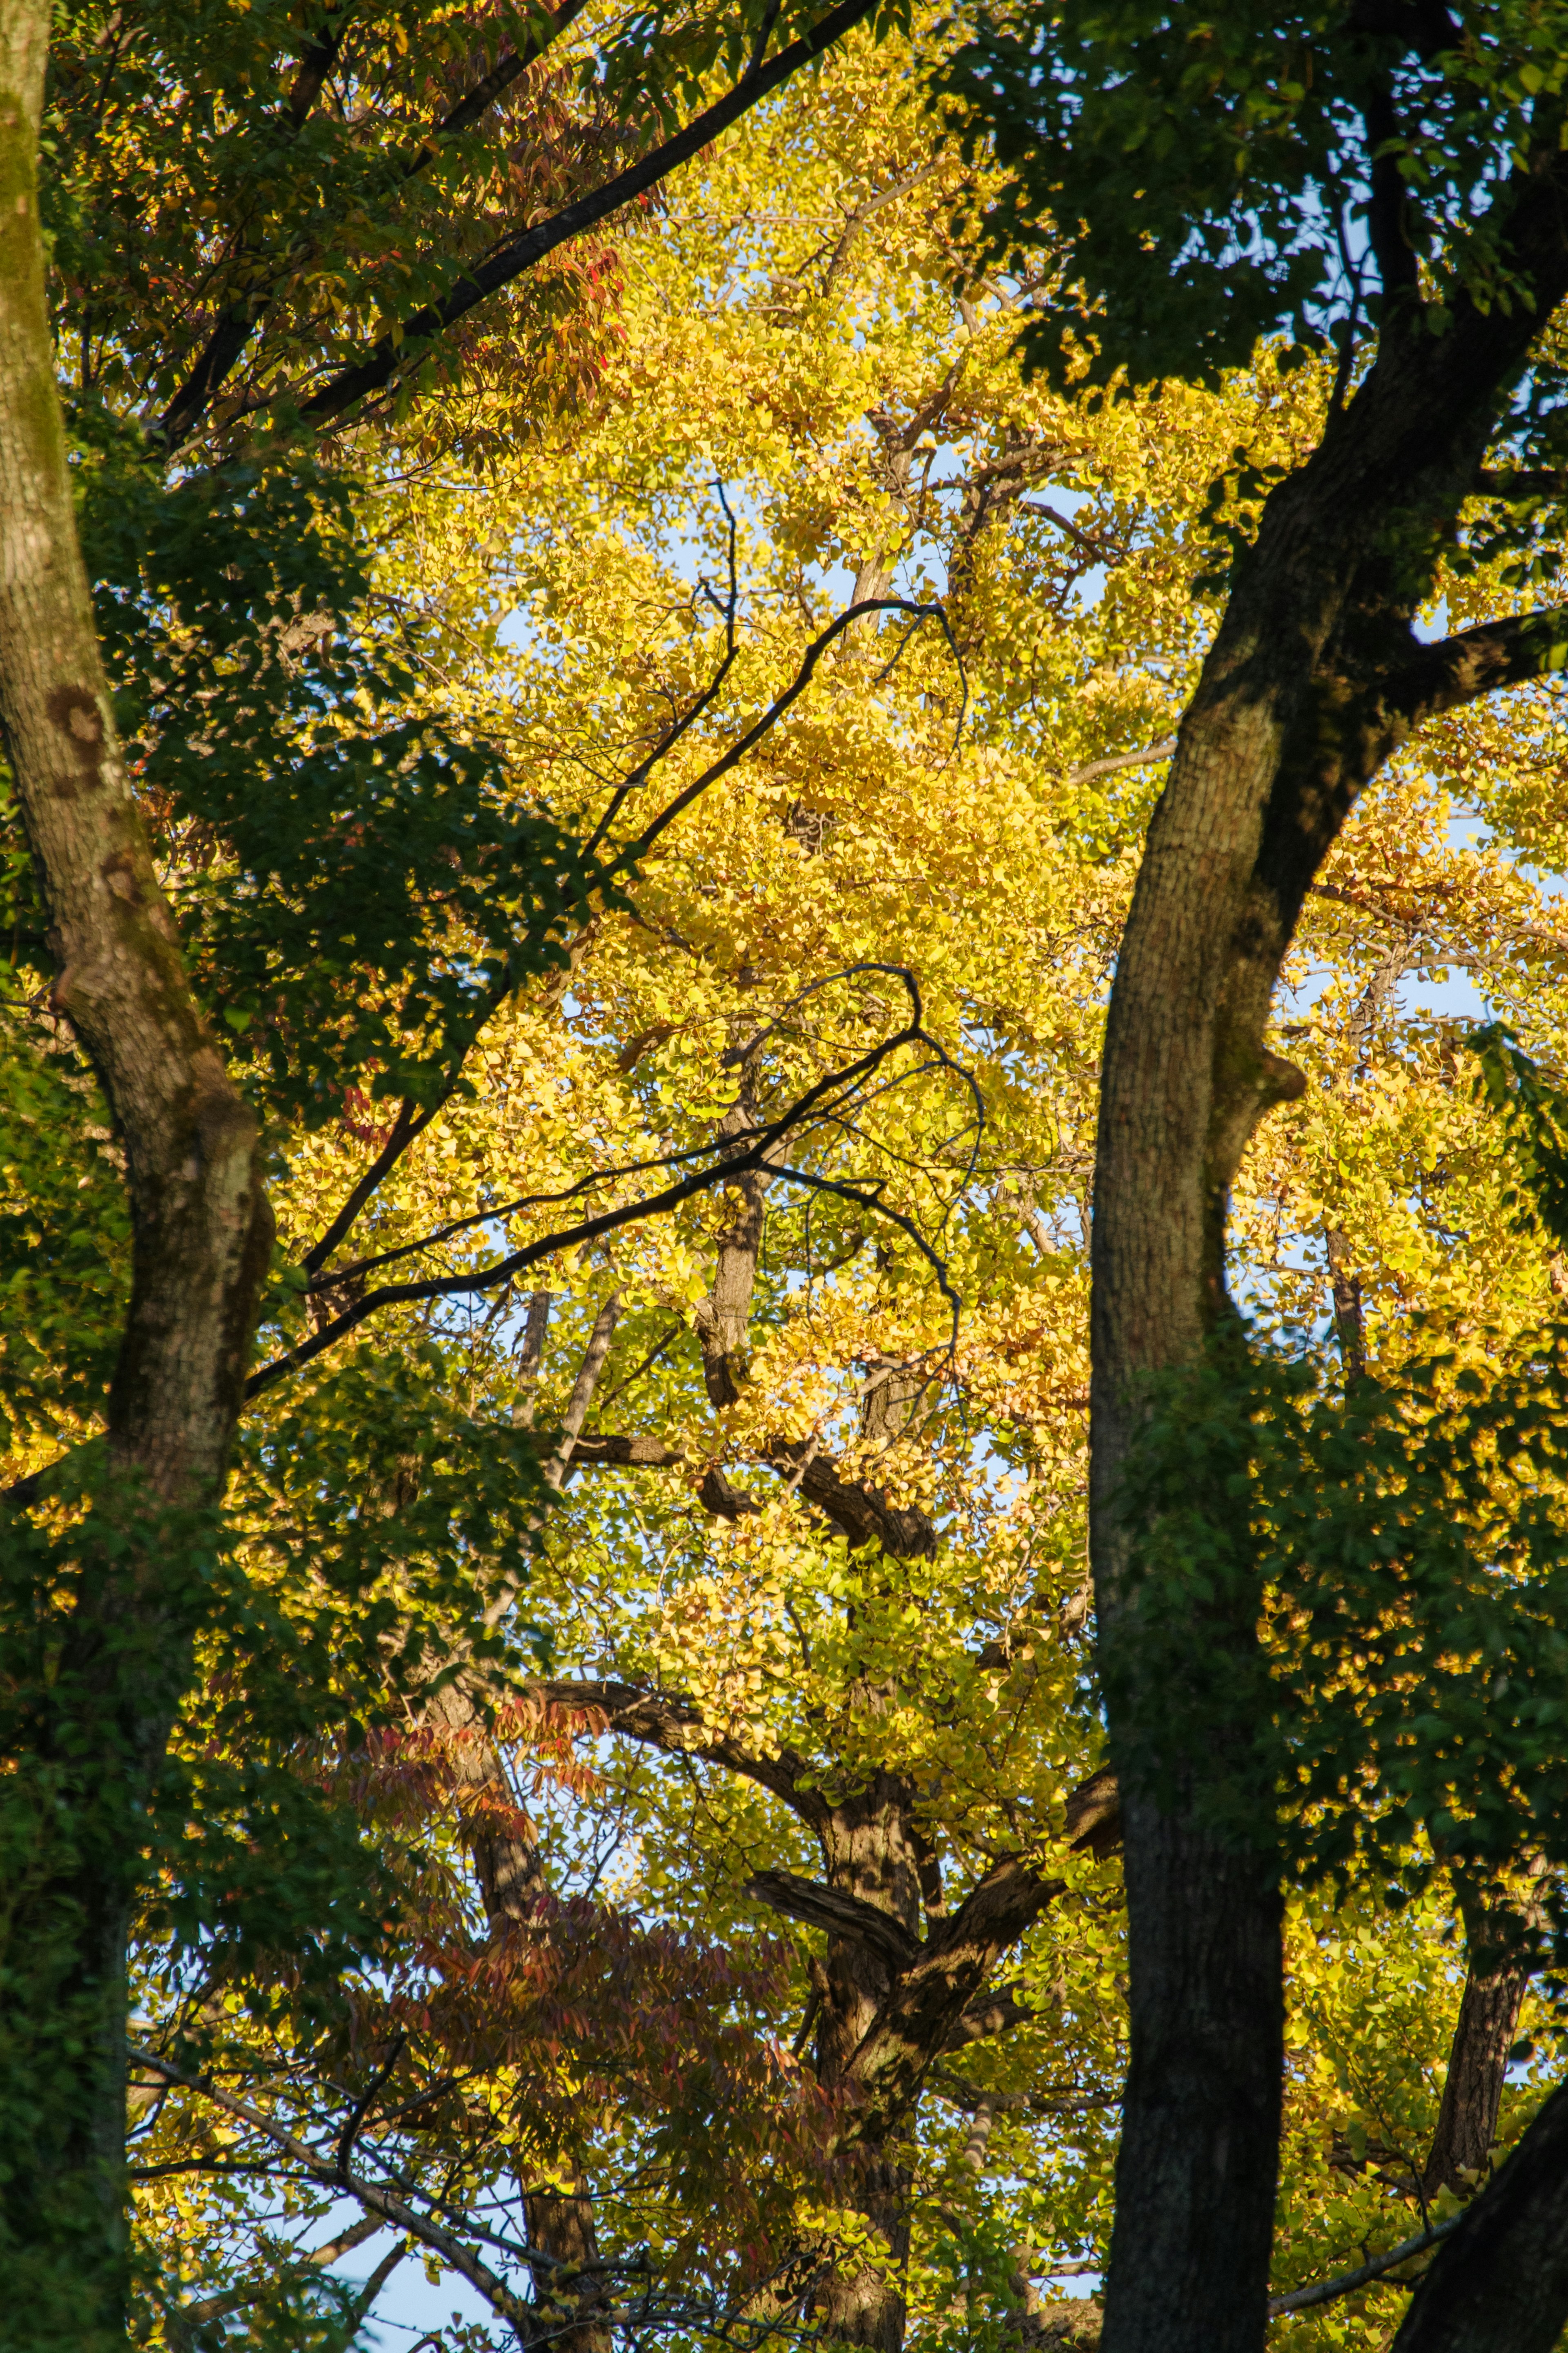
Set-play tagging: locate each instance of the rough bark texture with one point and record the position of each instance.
(201, 1237)
(1478, 2066)
(1315, 677)
(1500, 2284)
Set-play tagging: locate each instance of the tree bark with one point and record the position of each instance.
(1494, 1991)
(1500, 2284)
(201, 1235)
(1315, 678)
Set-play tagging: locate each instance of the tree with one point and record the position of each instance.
(624, 976)
(877, 1672)
(366, 118)
(1386, 184)
(808, 861)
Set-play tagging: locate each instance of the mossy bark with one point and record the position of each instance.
(200, 1238)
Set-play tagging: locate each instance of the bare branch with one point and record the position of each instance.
(781, 703)
(189, 2316)
(1160, 751)
(1303, 2299)
(1459, 670)
(383, 2204)
(408, 1123)
(823, 1101)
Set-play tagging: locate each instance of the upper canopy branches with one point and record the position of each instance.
(285, 213)
(1222, 176)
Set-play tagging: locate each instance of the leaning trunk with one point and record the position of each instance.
(88, 1738)
(1495, 1983)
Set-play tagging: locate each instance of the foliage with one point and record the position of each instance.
(1409, 1539)
(356, 886)
(1218, 181)
(360, 841)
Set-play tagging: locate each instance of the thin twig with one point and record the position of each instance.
(1160, 751)
(392, 2208)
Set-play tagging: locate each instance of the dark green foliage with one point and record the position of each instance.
(1397, 1551)
(65, 1235)
(1533, 1114)
(365, 1522)
(364, 1526)
(356, 889)
(1211, 175)
(1403, 1548)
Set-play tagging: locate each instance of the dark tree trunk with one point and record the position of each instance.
(1495, 1986)
(1500, 2284)
(1315, 677)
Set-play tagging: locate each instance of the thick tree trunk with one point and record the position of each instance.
(1314, 679)
(1500, 2284)
(201, 1235)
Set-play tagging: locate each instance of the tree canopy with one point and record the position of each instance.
(617, 1775)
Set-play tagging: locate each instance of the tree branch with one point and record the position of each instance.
(999, 2013)
(821, 1099)
(927, 2001)
(967, 2097)
(233, 330)
(188, 2317)
(1459, 670)
(840, 1914)
(394, 354)
(862, 1511)
(1390, 199)
(407, 1125)
(383, 2204)
(1303, 2299)
(670, 1722)
(1093, 768)
(1521, 482)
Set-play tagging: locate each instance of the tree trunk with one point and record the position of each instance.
(871, 1853)
(1315, 677)
(1495, 1984)
(1500, 2284)
(201, 1234)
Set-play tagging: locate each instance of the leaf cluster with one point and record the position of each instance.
(357, 887)
(1214, 178)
